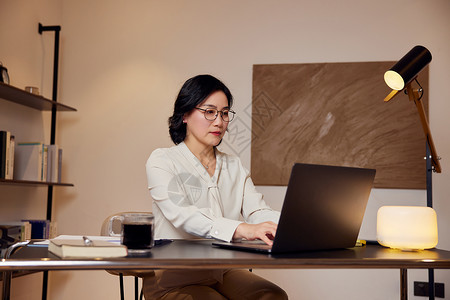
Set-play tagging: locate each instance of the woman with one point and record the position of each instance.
(199, 191)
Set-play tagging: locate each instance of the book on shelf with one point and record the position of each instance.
(12, 154)
(42, 229)
(37, 161)
(77, 247)
(3, 135)
(28, 161)
(7, 143)
(44, 162)
(53, 163)
(60, 153)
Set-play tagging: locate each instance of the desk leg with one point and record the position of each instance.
(404, 284)
(6, 285)
(7, 276)
(44, 285)
(431, 284)
(136, 288)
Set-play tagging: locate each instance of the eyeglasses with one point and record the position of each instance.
(210, 114)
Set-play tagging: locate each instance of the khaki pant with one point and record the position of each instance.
(235, 284)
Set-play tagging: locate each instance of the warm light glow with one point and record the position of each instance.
(391, 95)
(394, 80)
(407, 227)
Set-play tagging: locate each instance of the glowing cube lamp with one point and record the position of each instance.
(407, 227)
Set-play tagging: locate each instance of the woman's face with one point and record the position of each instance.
(201, 131)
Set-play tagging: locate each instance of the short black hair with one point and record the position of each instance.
(193, 92)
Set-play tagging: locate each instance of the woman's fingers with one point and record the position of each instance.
(264, 231)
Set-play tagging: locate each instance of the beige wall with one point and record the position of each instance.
(29, 58)
(122, 63)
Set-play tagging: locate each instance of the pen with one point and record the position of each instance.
(162, 242)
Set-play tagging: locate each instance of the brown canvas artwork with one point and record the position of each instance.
(334, 113)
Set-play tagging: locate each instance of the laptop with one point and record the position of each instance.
(323, 209)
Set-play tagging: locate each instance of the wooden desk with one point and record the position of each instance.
(182, 254)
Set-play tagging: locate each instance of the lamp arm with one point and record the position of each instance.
(413, 95)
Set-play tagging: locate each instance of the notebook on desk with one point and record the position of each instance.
(323, 209)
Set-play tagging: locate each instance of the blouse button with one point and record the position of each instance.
(216, 232)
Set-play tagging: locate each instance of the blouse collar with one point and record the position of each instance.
(197, 165)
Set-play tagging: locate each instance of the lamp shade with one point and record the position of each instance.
(407, 227)
(407, 68)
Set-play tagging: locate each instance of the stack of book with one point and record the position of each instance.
(33, 161)
(13, 232)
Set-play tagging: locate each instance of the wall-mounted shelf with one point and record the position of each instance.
(21, 97)
(16, 95)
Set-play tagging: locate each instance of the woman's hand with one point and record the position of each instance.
(263, 231)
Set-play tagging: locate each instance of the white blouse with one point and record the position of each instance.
(189, 203)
